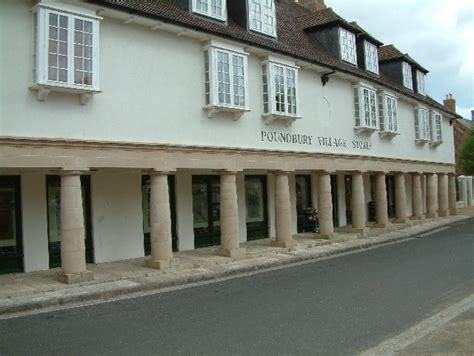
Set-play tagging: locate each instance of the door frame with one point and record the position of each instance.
(260, 231)
(14, 262)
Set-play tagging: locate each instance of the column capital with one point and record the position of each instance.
(227, 172)
(442, 174)
(73, 172)
(378, 172)
(281, 172)
(451, 174)
(322, 171)
(156, 172)
(415, 173)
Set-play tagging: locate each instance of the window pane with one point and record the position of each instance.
(53, 19)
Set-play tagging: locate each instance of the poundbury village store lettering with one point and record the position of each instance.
(281, 137)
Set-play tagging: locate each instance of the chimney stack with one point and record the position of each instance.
(450, 103)
(313, 5)
(472, 115)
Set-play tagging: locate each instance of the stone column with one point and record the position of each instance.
(358, 204)
(400, 198)
(381, 209)
(443, 209)
(229, 216)
(326, 224)
(430, 196)
(417, 201)
(452, 194)
(284, 237)
(72, 231)
(160, 222)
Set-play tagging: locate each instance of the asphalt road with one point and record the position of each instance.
(335, 307)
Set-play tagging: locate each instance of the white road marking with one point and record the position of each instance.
(434, 231)
(391, 346)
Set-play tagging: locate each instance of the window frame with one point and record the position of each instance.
(41, 40)
(361, 121)
(421, 82)
(343, 35)
(208, 13)
(373, 65)
(407, 75)
(211, 80)
(251, 17)
(388, 114)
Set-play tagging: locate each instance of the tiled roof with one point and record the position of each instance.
(390, 52)
(291, 40)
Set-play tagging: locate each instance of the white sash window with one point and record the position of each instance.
(211, 8)
(348, 48)
(371, 57)
(365, 108)
(407, 76)
(262, 16)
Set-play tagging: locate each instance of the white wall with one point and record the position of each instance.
(34, 222)
(117, 215)
(153, 92)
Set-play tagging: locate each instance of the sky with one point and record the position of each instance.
(438, 34)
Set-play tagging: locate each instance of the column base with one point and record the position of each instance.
(359, 230)
(236, 253)
(325, 236)
(284, 244)
(443, 214)
(417, 217)
(71, 278)
(161, 264)
(431, 215)
(453, 211)
(381, 225)
(400, 221)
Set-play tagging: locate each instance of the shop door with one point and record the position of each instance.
(335, 205)
(11, 249)
(303, 202)
(206, 211)
(390, 183)
(256, 206)
(146, 212)
(53, 192)
(348, 190)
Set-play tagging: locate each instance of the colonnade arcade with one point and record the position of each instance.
(439, 199)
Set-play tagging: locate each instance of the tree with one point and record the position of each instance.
(466, 154)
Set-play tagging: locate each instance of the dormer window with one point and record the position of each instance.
(407, 76)
(347, 42)
(262, 17)
(211, 8)
(420, 81)
(371, 57)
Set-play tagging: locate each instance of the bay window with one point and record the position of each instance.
(66, 52)
(211, 8)
(280, 96)
(262, 16)
(388, 115)
(422, 125)
(365, 108)
(225, 80)
(436, 136)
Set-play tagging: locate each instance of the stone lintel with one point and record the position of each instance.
(284, 244)
(71, 278)
(236, 253)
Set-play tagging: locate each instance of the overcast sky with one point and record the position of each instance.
(438, 34)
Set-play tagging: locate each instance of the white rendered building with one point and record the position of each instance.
(204, 123)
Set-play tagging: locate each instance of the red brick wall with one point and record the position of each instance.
(460, 133)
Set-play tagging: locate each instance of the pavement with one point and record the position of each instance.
(39, 290)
